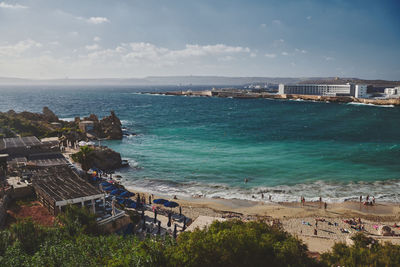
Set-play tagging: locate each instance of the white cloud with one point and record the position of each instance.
(98, 20)
(26, 58)
(276, 22)
(226, 58)
(270, 55)
(278, 43)
(11, 6)
(285, 53)
(329, 58)
(309, 17)
(141, 53)
(301, 51)
(17, 49)
(253, 54)
(96, 39)
(92, 47)
(263, 25)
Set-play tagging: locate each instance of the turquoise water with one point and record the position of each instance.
(207, 146)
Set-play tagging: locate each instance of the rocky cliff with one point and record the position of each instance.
(109, 127)
(102, 158)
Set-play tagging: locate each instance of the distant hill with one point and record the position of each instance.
(192, 80)
(155, 80)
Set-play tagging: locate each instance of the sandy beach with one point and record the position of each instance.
(299, 219)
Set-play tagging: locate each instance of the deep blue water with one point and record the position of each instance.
(195, 145)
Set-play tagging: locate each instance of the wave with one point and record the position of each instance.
(384, 191)
(67, 119)
(371, 105)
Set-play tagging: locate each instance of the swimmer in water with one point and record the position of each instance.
(246, 180)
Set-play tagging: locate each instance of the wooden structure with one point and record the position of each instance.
(58, 186)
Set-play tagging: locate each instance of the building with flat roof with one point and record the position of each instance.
(355, 90)
(392, 92)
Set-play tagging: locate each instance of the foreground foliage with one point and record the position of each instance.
(76, 241)
(365, 252)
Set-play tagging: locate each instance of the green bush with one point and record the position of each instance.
(235, 243)
(365, 252)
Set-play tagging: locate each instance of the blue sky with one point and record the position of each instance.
(115, 38)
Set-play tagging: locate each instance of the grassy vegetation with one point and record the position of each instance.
(12, 124)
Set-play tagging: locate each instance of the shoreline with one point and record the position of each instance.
(298, 219)
(391, 102)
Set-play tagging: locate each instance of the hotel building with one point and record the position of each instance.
(356, 90)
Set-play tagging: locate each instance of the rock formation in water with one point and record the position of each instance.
(109, 127)
(102, 158)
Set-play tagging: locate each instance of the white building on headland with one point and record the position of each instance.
(393, 92)
(356, 90)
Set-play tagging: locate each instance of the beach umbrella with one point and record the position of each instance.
(169, 220)
(121, 201)
(144, 225)
(184, 224)
(127, 194)
(105, 184)
(160, 201)
(159, 228)
(175, 231)
(116, 192)
(110, 188)
(128, 201)
(133, 205)
(171, 204)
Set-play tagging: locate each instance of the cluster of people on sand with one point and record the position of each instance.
(355, 224)
(367, 201)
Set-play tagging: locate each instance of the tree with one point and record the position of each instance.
(236, 243)
(364, 252)
(77, 220)
(28, 234)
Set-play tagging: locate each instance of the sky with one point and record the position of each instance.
(44, 39)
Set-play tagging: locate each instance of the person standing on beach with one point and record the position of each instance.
(360, 199)
(325, 205)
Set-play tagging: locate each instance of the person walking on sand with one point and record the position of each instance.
(360, 199)
(373, 199)
(325, 205)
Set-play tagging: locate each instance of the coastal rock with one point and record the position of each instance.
(103, 158)
(49, 115)
(111, 127)
(107, 128)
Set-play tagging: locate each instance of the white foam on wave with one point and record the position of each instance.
(385, 191)
(371, 105)
(67, 119)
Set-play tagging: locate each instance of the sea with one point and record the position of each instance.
(199, 146)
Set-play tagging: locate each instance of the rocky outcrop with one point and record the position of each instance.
(102, 158)
(109, 127)
(49, 115)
